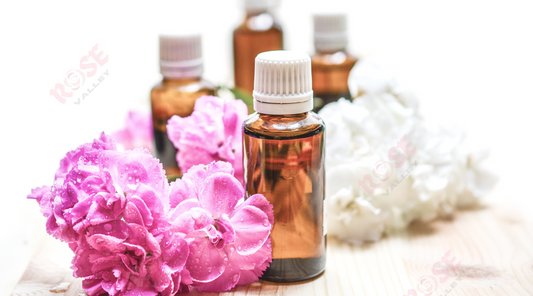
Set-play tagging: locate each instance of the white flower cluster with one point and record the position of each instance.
(386, 168)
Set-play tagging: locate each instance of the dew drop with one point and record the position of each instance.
(239, 248)
(108, 227)
(266, 223)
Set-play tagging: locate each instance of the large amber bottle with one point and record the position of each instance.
(284, 161)
(182, 67)
(331, 63)
(258, 32)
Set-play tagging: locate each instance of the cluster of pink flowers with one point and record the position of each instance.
(213, 132)
(132, 232)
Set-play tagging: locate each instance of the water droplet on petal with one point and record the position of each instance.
(108, 227)
(239, 248)
(266, 223)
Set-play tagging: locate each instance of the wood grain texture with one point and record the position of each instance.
(494, 246)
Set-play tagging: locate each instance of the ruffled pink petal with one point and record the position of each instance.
(174, 252)
(189, 157)
(106, 244)
(225, 282)
(159, 278)
(117, 229)
(93, 287)
(226, 151)
(139, 235)
(183, 207)
(251, 265)
(205, 262)
(252, 229)
(132, 214)
(146, 209)
(194, 219)
(220, 194)
(181, 190)
(259, 201)
(141, 292)
(209, 104)
(150, 200)
(226, 229)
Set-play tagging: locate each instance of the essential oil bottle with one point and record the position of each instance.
(331, 63)
(182, 67)
(258, 32)
(284, 160)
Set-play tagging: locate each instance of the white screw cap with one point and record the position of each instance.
(282, 83)
(330, 31)
(180, 55)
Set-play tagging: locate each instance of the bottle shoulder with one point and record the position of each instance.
(185, 85)
(256, 24)
(340, 58)
(283, 126)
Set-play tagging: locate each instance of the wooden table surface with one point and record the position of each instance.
(493, 245)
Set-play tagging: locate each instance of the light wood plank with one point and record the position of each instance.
(493, 244)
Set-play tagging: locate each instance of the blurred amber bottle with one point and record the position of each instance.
(331, 64)
(284, 160)
(258, 32)
(182, 67)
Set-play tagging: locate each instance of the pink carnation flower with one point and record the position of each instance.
(229, 243)
(137, 133)
(212, 132)
(111, 207)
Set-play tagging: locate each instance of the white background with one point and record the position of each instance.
(470, 62)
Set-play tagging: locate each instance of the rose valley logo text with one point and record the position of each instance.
(74, 88)
(385, 169)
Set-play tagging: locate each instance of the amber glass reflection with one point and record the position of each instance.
(174, 97)
(330, 77)
(284, 161)
(258, 33)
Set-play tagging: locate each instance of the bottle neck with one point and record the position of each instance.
(255, 12)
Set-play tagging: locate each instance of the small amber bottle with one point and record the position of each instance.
(182, 67)
(258, 32)
(284, 160)
(331, 63)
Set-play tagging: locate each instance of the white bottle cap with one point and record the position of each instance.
(282, 83)
(330, 32)
(180, 55)
(259, 5)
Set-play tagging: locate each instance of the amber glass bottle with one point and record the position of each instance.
(181, 66)
(284, 160)
(331, 63)
(258, 32)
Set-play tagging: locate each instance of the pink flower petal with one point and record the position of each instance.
(181, 190)
(205, 262)
(132, 214)
(183, 207)
(259, 201)
(174, 251)
(192, 220)
(252, 229)
(220, 194)
(225, 282)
